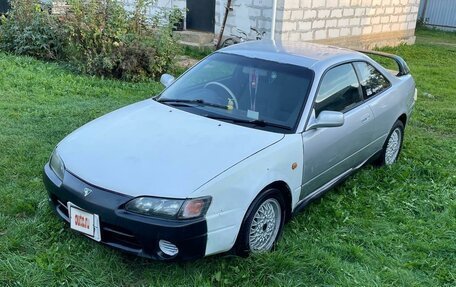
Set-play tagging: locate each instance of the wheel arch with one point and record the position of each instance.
(285, 190)
(403, 119)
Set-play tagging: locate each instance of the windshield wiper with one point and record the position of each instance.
(193, 102)
(259, 123)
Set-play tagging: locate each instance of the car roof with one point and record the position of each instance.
(305, 54)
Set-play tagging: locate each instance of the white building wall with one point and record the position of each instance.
(244, 14)
(156, 7)
(381, 22)
(361, 23)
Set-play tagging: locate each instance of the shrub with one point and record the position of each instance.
(94, 29)
(139, 20)
(166, 50)
(97, 37)
(140, 58)
(103, 39)
(30, 30)
(133, 59)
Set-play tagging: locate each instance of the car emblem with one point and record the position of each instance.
(87, 191)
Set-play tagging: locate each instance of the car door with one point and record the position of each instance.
(380, 98)
(330, 152)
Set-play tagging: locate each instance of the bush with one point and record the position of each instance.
(29, 30)
(97, 37)
(104, 40)
(144, 57)
(94, 29)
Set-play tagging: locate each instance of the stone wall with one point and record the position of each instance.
(352, 23)
(160, 4)
(59, 7)
(244, 14)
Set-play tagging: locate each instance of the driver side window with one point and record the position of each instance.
(339, 90)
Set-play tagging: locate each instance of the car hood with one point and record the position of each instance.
(149, 148)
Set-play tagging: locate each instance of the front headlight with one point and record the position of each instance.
(57, 165)
(171, 208)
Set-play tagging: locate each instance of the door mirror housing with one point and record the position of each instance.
(167, 79)
(327, 119)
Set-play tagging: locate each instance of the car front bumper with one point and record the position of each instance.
(133, 233)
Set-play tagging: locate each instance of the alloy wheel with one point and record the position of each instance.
(265, 226)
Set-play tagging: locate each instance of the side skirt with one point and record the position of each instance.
(331, 184)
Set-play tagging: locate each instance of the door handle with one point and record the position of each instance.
(365, 118)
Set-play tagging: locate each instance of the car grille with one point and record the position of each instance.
(115, 235)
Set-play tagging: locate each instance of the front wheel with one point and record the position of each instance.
(263, 223)
(393, 145)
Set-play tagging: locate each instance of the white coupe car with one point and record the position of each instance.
(229, 151)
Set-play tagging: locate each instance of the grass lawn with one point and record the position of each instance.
(384, 226)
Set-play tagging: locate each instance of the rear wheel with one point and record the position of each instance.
(263, 223)
(393, 145)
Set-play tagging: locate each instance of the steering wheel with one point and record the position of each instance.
(233, 97)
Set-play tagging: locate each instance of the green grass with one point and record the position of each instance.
(426, 35)
(196, 53)
(383, 227)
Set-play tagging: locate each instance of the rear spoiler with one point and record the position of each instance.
(402, 65)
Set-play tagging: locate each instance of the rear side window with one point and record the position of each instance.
(372, 81)
(339, 90)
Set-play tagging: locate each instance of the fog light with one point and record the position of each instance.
(168, 248)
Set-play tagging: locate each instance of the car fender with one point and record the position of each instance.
(235, 189)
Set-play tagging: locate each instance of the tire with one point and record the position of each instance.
(393, 145)
(269, 200)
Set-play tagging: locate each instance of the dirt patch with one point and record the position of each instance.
(185, 61)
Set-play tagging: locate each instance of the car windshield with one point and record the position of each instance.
(243, 90)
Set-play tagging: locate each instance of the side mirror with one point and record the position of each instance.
(327, 119)
(166, 79)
